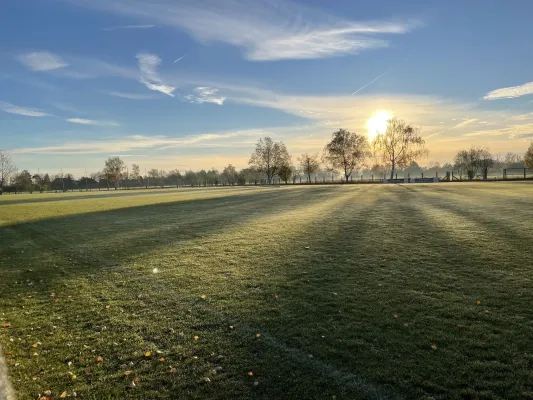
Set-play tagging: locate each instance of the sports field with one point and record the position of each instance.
(322, 292)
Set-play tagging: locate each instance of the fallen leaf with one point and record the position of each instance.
(162, 359)
(231, 326)
(256, 383)
(100, 359)
(257, 335)
(478, 302)
(250, 373)
(395, 315)
(276, 297)
(6, 325)
(434, 347)
(63, 395)
(206, 379)
(57, 300)
(35, 345)
(137, 380)
(203, 297)
(48, 392)
(108, 306)
(147, 354)
(196, 338)
(74, 377)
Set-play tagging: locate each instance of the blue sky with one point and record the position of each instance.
(82, 80)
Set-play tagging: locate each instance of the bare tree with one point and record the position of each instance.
(113, 170)
(7, 169)
(153, 174)
(346, 151)
(486, 161)
(135, 173)
(528, 158)
(400, 145)
(469, 162)
(309, 163)
(269, 157)
(229, 175)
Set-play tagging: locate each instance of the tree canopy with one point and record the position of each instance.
(400, 145)
(269, 157)
(346, 151)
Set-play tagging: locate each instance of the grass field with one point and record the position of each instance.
(323, 292)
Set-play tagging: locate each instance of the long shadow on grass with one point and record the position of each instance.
(104, 194)
(293, 375)
(479, 344)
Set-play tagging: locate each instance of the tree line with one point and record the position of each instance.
(345, 154)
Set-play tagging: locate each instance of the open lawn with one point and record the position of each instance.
(323, 292)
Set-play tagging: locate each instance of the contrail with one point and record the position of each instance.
(369, 83)
(181, 58)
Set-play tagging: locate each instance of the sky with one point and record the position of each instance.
(192, 84)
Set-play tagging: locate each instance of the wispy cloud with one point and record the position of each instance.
(114, 28)
(465, 123)
(204, 94)
(148, 64)
(137, 142)
(42, 61)
(510, 92)
(27, 112)
(131, 96)
(83, 121)
(265, 30)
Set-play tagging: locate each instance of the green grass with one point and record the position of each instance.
(318, 272)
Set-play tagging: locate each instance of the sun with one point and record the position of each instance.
(377, 124)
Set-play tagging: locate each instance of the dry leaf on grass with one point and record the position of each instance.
(6, 325)
(100, 359)
(162, 359)
(63, 395)
(196, 338)
(434, 347)
(250, 373)
(147, 354)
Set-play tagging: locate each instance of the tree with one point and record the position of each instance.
(528, 158)
(285, 173)
(486, 161)
(229, 175)
(135, 173)
(400, 145)
(309, 164)
(153, 175)
(23, 182)
(346, 151)
(113, 170)
(7, 169)
(468, 162)
(269, 157)
(250, 175)
(38, 179)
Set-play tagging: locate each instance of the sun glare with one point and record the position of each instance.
(377, 124)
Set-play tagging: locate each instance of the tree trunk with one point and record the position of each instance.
(392, 171)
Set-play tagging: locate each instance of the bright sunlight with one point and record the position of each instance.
(377, 124)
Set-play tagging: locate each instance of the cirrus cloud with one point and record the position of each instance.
(42, 61)
(83, 121)
(510, 92)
